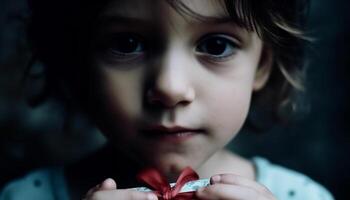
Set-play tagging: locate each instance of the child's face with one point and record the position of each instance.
(158, 70)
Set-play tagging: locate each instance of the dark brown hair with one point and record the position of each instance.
(60, 28)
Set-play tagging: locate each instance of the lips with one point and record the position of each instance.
(173, 134)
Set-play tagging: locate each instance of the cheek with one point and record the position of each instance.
(120, 99)
(122, 92)
(232, 111)
(227, 106)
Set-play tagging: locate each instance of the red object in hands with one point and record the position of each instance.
(162, 188)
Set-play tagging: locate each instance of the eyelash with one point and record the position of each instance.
(124, 47)
(229, 49)
(129, 47)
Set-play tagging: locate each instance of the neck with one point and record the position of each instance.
(223, 162)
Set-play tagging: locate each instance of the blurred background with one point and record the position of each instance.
(317, 144)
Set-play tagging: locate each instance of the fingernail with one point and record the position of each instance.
(151, 196)
(215, 179)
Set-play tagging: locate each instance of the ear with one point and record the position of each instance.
(264, 69)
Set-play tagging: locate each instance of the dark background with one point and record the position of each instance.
(316, 144)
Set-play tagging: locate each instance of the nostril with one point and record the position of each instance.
(169, 98)
(158, 99)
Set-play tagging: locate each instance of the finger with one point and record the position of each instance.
(92, 190)
(108, 184)
(233, 179)
(228, 192)
(124, 194)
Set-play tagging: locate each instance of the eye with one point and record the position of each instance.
(124, 46)
(217, 46)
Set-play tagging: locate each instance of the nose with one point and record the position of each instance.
(172, 84)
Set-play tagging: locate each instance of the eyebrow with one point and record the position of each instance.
(110, 19)
(113, 19)
(214, 20)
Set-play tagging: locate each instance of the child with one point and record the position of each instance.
(170, 84)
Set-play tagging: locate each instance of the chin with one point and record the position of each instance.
(172, 166)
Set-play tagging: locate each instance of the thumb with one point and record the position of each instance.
(108, 184)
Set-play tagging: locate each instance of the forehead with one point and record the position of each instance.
(151, 9)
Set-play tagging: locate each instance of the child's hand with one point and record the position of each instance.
(229, 186)
(107, 190)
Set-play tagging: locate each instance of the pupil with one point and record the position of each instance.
(127, 45)
(216, 46)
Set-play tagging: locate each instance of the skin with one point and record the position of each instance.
(173, 78)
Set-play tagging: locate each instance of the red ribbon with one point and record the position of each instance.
(162, 188)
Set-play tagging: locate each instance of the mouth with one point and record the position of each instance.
(174, 134)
